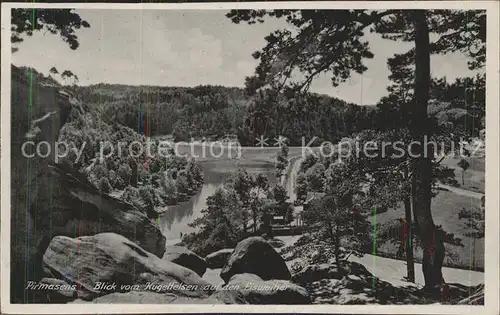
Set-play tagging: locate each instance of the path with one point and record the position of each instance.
(460, 191)
(292, 178)
(392, 271)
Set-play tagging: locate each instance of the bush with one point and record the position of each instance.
(157, 164)
(169, 188)
(124, 172)
(100, 170)
(112, 178)
(182, 182)
(131, 195)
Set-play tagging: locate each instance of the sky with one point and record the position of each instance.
(190, 48)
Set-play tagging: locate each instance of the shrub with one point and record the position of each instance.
(124, 172)
(182, 182)
(169, 187)
(100, 170)
(113, 178)
(157, 164)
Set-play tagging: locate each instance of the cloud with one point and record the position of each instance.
(188, 48)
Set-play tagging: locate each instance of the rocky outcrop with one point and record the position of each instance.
(184, 257)
(255, 255)
(49, 199)
(219, 258)
(352, 284)
(53, 290)
(251, 289)
(108, 262)
(36, 118)
(80, 207)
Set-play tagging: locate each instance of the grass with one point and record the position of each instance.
(445, 208)
(473, 176)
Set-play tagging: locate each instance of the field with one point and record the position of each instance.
(474, 178)
(445, 208)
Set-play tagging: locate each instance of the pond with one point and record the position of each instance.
(175, 219)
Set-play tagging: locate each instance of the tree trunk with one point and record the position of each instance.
(337, 248)
(410, 266)
(433, 248)
(463, 180)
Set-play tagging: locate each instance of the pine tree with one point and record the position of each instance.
(331, 41)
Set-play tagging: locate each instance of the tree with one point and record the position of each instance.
(331, 41)
(242, 183)
(335, 222)
(66, 75)
(258, 195)
(53, 70)
(282, 207)
(63, 22)
(220, 225)
(282, 160)
(464, 165)
(475, 224)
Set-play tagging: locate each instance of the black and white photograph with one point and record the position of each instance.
(230, 155)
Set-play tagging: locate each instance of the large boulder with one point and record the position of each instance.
(56, 290)
(184, 257)
(108, 262)
(255, 255)
(352, 284)
(219, 258)
(251, 289)
(49, 199)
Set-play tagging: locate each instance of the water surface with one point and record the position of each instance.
(175, 219)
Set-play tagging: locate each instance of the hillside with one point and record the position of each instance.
(214, 111)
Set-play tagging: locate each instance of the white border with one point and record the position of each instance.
(492, 276)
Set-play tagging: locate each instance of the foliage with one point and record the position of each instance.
(63, 22)
(282, 160)
(339, 216)
(120, 169)
(220, 225)
(463, 164)
(475, 221)
(244, 206)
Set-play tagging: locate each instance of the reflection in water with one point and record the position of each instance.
(176, 218)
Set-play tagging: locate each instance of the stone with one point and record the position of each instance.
(184, 257)
(49, 198)
(219, 258)
(255, 255)
(251, 289)
(108, 262)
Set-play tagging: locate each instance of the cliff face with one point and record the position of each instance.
(49, 199)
